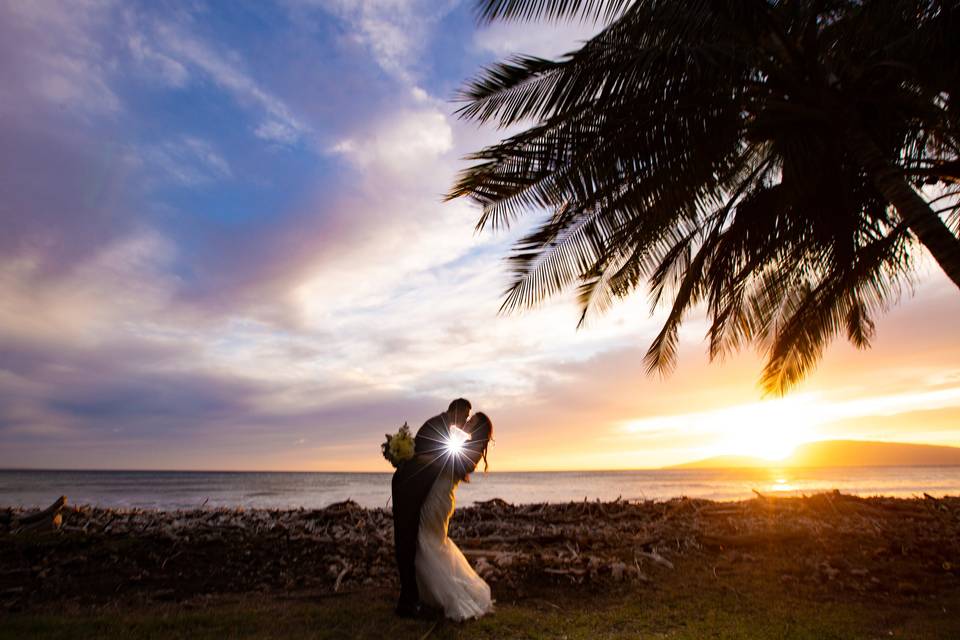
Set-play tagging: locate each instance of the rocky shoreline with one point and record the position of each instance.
(831, 542)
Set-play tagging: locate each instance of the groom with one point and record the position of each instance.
(411, 484)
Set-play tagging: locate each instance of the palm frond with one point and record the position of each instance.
(700, 148)
(490, 10)
(843, 300)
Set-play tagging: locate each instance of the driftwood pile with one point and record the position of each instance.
(94, 555)
(909, 546)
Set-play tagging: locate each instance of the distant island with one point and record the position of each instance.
(841, 453)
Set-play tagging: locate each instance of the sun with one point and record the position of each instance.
(770, 430)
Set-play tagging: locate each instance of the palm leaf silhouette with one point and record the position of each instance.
(763, 159)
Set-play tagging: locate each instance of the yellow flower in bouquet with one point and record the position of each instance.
(398, 447)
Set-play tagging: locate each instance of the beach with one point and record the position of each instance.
(863, 566)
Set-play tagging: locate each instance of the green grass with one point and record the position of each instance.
(675, 610)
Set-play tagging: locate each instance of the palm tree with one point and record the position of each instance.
(765, 158)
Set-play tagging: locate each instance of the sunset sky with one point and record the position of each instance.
(223, 247)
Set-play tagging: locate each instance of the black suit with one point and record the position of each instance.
(411, 484)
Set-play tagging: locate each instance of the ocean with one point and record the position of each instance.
(194, 489)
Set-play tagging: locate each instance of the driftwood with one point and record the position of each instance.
(657, 558)
(49, 518)
(751, 539)
(102, 554)
(336, 585)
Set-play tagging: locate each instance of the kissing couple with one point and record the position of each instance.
(434, 574)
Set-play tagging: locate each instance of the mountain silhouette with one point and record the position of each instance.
(842, 453)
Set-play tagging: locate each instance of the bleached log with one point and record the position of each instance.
(657, 558)
(572, 571)
(46, 514)
(751, 539)
(48, 519)
(340, 576)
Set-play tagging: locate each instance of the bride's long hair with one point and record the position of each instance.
(481, 433)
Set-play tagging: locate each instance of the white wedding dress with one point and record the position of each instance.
(444, 577)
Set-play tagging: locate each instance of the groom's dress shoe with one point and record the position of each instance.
(426, 612)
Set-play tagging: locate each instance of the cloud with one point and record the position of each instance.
(168, 70)
(66, 193)
(402, 143)
(179, 292)
(548, 40)
(395, 32)
(55, 57)
(119, 284)
(277, 131)
(188, 161)
(132, 400)
(177, 44)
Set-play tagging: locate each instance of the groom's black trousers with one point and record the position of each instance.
(411, 484)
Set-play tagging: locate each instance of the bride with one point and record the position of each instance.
(444, 577)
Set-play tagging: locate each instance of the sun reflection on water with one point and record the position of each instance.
(782, 484)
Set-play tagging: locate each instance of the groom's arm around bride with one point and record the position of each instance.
(411, 483)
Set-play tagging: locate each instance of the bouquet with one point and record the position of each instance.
(398, 447)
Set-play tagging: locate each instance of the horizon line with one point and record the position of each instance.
(765, 464)
(778, 463)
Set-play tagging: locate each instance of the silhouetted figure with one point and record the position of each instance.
(412, 482)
